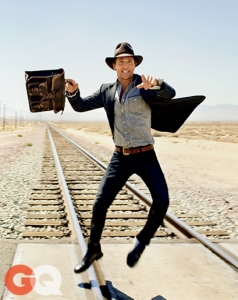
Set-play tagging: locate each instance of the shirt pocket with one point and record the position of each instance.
(136, 105)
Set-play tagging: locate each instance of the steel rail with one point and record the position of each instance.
(213, 247)
(90, 271)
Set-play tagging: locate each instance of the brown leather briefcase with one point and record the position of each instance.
(46, 90)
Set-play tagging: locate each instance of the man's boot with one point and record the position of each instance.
(135, 254)
(93, 252)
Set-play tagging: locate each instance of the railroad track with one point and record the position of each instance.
(63, 199)
(47, 217)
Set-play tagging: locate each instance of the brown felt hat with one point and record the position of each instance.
(123, 49)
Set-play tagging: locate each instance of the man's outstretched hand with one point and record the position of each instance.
(71, 86)
(147, 82)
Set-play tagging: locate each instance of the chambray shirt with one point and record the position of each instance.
(132, 118)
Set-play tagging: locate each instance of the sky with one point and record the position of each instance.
(191, 44)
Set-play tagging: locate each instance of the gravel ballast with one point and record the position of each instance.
(20, 169)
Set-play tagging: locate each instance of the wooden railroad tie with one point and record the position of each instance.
(83, 191)
(115, 202)
(92, 197)
(80, 169)
(36, 208)
(43, 216)
(142, 223)
(55, 182)
(129, 233)
(45, 188)
(118, 216)
(175, 208)
(35, 192)
(79, 179)
(201, 223)
(85, 173)
(118, 223)
(187, 216)
(137, 216)
(52, 202)
(42, 233)
(42, 223)
(213, 232)
(45, 197)
(84, 187)
(113, 208)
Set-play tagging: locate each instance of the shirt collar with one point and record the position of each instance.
(133, 83)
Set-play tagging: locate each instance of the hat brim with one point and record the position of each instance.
(111, 60)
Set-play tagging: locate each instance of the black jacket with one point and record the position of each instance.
(167, 115)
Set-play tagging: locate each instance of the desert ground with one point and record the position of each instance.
(207, 131)
(200, 162)
(202, 154)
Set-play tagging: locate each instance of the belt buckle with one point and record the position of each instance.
(123, 148)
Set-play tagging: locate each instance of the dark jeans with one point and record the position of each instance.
(121, 167)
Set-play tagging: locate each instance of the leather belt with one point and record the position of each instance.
(127, 150)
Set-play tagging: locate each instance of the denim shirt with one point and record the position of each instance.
(132, 118)
(133, 110)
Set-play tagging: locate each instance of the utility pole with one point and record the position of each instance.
(3, 120)
(15, 119)
(0, 113)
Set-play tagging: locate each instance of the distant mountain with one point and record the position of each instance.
(223, 112)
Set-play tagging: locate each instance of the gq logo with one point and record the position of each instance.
(20, 280)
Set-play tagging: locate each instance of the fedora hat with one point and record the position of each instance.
(123, 49)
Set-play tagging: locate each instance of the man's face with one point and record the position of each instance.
(124, 67)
